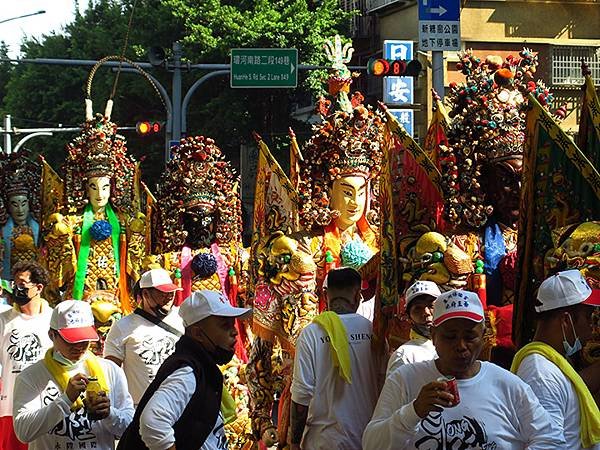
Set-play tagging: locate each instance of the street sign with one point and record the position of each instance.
(398, 90)
(393, 49)
(439, 25)
(406, 118)
(264, 67)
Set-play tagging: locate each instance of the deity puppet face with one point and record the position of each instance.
(199, 224)
(18, 207)
(98, 192)
(349, 197)
(503, 181)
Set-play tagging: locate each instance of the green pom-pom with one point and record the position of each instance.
(479, 270)
(479, 263)
(596, 248)
(177, 273)
(231, 272)
(437, 256)
(328, 256)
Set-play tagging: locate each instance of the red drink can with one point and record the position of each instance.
(452, 387)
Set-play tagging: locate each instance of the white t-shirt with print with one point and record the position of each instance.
(143, 347)
(556, 394)
(337, 411)
(42, 414)
(166, 406)
(23, 341)
(415, 350)
(497, 411)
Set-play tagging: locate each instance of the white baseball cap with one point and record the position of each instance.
(74, 321)
(457, 304)
(565, 289)
(158, 279)
(202, 304)
(419, 288)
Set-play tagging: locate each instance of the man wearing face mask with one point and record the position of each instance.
(23, 339)
(141, 341)
(181, 407)
(71, 399)
(419, 309)
(565, 307)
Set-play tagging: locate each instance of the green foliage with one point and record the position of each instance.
(41, 95)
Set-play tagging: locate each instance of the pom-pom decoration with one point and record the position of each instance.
(204, 265)
(355, 254)
(100, 230)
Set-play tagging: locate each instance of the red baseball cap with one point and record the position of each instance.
(74, 321)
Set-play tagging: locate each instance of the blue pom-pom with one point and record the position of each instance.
(100, 230)
(204, 265)
(355, 254)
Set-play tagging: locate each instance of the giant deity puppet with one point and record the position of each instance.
(480, 165)
(197, 230)
(97, 239)
(20, 209)
(336, 201)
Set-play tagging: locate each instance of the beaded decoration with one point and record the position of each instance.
(197, 179)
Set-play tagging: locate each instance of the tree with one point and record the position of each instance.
(207, 30)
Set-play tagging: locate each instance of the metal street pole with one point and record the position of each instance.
(41, 11)
(7, 136)
(437, 75)
(176, 122)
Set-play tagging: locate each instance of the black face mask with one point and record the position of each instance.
(219, 354)
(20, 295)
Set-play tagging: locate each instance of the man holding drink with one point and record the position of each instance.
(457, 401)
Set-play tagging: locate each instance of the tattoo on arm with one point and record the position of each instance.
(299, 414)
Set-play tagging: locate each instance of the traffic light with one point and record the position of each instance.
(379, 67)
(145, 128)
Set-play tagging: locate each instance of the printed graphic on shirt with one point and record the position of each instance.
(457, 434)
(24, 349)
(76, 427)
(154, 350)
(216, 440)
(354, 337)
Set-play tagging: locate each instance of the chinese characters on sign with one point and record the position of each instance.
(439, 25)
(399, 90)
(406, 118)
(264, 67)
(439, 36)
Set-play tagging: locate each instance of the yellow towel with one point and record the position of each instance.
(589, 413)
(338, 339)
(61, 375)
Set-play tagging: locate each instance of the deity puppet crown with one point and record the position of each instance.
(349, 141)
(98, 151)
(197, 179)
(20, 175)
(488, 126)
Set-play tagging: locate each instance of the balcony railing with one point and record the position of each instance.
(566, 64)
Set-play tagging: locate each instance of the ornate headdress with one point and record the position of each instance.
(488, 125)
(197, 179)
(20, 175)
(349, 141)
(99, 151)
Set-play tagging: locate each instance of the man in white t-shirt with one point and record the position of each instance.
(48, 409)
(495, 410)
(141, 341)
(332, 405)
(419, 308)
(23, 339)
(565, 307)
(181, 407)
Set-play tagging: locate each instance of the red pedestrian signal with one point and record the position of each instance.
(145, 128)
(379, 67)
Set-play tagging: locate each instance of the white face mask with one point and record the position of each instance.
(61, 359)
(571, 350)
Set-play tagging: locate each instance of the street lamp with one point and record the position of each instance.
(41, 11)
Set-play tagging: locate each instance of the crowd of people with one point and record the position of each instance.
(159, 385)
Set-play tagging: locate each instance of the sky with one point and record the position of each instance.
(58, 13)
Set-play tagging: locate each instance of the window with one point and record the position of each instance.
(566, 64)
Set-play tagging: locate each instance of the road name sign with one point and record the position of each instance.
(264, 68)
(439, 25)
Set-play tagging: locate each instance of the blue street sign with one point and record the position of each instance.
(406, 118)
(398, 90)
(439, 10)
(393, 49)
